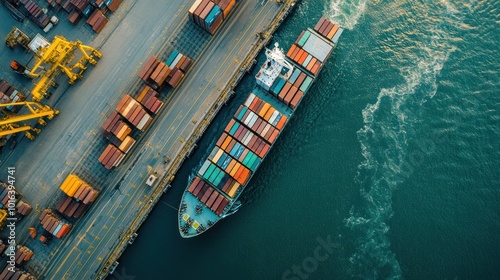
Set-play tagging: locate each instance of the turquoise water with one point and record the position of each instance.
(392, 160)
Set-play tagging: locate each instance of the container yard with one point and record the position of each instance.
(254, 128)
(75, 233)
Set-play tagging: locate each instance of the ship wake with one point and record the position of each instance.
(345, 13)
(388, 125)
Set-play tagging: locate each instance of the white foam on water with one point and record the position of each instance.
(388, 124)
(345, 12)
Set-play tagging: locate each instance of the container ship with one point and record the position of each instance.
(281, 83)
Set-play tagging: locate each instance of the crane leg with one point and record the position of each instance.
(30, 136)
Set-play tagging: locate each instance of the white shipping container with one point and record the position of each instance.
(317, 47)
(250, 100)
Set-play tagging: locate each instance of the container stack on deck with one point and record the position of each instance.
(328, 30)
(209, 14)
(158, 73)
(238, 153)
(291, 91)
(309, 53)
(78, 197)
(54, 224)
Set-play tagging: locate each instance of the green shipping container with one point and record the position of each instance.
(305, 85)
(171, 58)
(256, 163)
(219, 178)
(214, 175)
(209, 171)
(234, 128)
(242, 113)
(304, 38)
(204, 167)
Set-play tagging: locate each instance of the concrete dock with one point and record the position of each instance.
(72, 142)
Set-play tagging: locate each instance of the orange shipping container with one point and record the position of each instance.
(288, 98)
(229, 7)
(264, 110)
(273, 136)
(311, 64)
(230, 166)
(226, 142)
(157, 71)
(299, 54)
(332, 32)
(264, 150)
(303, 58)
(235, 169)
(291, 50)
(296, 99)
(269, 113)
(238, 173)
(294, 53)
(281, 123)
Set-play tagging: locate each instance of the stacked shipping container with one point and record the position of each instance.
(208, 195)
(148, 97)
(9, 94)
(238, 152)
(75, 187)
(15, 274)
(310, 51)
(35, 13)
(209, 14)
(23, 208)
(97, 20)
(117, 132)
(111, 157)
(78, 197)
(133, 111)
(70, 207)
(291, 91)
(94, 10)
(328, 30)
(158, 73)
(23, 254)
(52, 223)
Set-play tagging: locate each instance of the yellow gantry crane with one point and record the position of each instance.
(54, 59)
(12, 123)
(60, 56)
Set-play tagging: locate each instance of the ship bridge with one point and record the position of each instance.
(274, 66)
